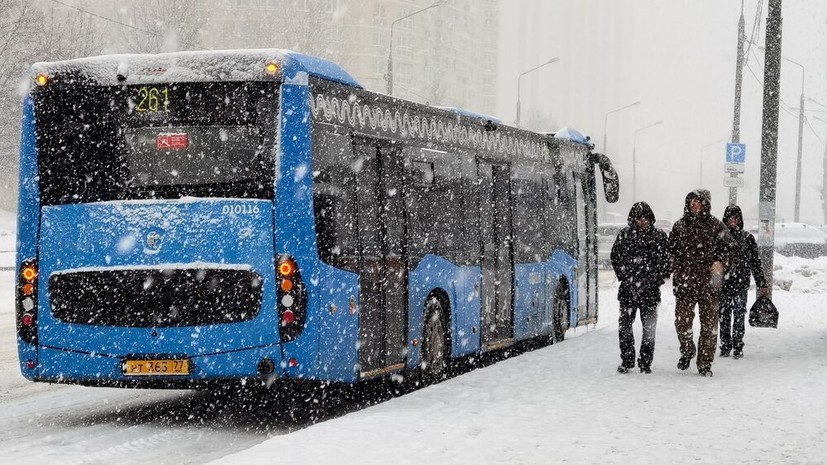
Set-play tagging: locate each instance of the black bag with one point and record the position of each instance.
(763, 314)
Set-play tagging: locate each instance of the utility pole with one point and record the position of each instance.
(769, 140)
(797, 211)
(824, 183)
(739, 75)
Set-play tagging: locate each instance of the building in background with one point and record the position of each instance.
(446, 55)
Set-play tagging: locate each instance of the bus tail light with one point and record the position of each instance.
(26, 302)
(291, 298)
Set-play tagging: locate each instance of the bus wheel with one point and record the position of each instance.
(561, 316)
(435, 350)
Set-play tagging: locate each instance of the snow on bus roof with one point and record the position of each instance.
(469, 113)
(195, 66)
(573, 135)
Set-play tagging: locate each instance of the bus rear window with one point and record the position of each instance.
(213, 139)
(191, 155)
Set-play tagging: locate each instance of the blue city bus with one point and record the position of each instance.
(197, 218)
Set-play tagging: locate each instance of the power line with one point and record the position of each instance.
(756, 26)
(812, 129)
(105, 18)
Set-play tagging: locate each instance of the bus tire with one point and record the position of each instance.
(436, 349)
(561, 312)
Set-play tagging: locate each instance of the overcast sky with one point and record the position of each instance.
(678, 59)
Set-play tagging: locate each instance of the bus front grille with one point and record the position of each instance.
(156, 297)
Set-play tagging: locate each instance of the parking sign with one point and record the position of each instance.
(736, 153)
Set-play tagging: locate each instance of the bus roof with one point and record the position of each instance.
(469, 113)
(194, 66)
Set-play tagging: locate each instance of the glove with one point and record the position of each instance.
(717, 275)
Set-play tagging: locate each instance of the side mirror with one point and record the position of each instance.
(611, 184)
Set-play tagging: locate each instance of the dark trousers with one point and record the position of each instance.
(731, 318)
(649, 319)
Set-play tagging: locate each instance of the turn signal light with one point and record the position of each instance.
(29, 272)
(28, 289)
(286, 285)
(287, 267)
(42, 80)
(271, 68)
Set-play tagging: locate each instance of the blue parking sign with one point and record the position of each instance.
(736, 153)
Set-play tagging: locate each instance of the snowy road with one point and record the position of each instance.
(78, 425)
(65, 424)
(766, 408)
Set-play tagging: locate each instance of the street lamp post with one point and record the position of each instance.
(800, 140)
(606, 122)
(389, 75)
(550, 61)
(824, 170)
(634, 158)
(701, 160)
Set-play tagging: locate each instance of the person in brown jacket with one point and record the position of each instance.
(700, 246)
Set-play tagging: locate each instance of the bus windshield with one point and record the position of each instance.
(99, 143)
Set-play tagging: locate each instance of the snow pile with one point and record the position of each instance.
(800, 275)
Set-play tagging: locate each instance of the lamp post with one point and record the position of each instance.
(550, 61)
(824, 170)
(634, 158)
(800, 138)
(736, 116)
(606, 121)
(389, 75)
(701, 160)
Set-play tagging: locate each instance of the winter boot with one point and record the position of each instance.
(646, 370)
(622, 369)
(705, 372)
(738, 354)
(725, 352)
(683, 363)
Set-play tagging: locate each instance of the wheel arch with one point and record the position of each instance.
(442, 296)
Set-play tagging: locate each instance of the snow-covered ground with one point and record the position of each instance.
(561, 404)
(566, 403)
(8, 234)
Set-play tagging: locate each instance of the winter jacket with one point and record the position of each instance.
(695, 243)
(745, 259)
(640, 258)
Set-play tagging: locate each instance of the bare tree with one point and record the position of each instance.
(66, 34)
(29, 33)
(163, 25)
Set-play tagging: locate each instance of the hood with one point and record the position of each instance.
(733, 211)
(641, 210)
(706, 201)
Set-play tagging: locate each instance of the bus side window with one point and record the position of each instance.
(528, 213)
(422, 173)
(333, 199)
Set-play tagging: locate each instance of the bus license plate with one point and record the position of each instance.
(156, 367)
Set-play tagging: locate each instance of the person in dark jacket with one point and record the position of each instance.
(640, 258)
(736, 284)
(700, 246)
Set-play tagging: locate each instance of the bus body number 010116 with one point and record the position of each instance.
(240, 210)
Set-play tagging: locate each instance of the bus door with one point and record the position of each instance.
(586, 257)
(382, 268)
(496, 261)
